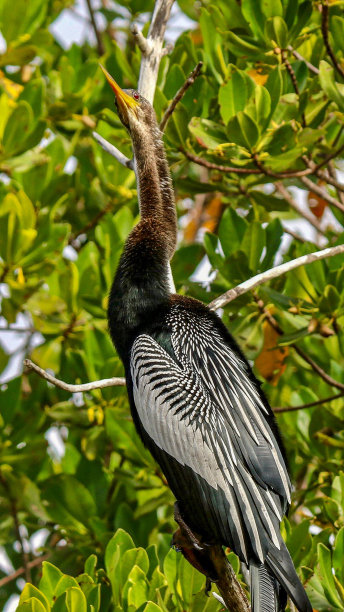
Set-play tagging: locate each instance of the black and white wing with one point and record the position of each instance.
(216, 449)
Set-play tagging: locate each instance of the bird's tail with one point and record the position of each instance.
(280, 564)
(266, 593)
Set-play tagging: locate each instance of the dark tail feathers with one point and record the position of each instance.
(266, 593)
(272, 581)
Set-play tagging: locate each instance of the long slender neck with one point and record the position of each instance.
(155, 189)
(142, 281)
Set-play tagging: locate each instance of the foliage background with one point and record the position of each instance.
(62, 227)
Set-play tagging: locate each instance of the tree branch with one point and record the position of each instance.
(109, 148)
(293, 79)
(180, 93)
(14, 512)
(272, 321)
(299, 57)
(278, 409)
(268, 275)
(100, 45)
(142, 42)
(150, 62)
(212, 562)
(97, 384)
(325, 31)
(293, 203)
(22, 570)
(321, 192)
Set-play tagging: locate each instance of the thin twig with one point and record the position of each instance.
(97, 384)
(21, 570)
(211, 166)
(325, 32)
(293, 234)
(272, 321)
(330, 156)
(299, 57)
(294, 204)
(293, 79)
(14, 512)
(100, 45)
(339, 186)
(322, 193)
(90, 225)
(328, 379)
(278, 409)
(268, 275)
(180, 93)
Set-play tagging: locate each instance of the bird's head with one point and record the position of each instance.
(133, 109)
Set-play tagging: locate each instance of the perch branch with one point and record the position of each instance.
(268, 275)
(97, 384)
(150, 61)
(212, 562)
(325, 400)
(180, 93)
(325, 32)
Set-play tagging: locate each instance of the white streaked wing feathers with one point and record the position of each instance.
(193, 430)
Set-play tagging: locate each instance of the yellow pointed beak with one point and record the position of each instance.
(126, 102)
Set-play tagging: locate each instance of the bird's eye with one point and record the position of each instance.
(136, 96)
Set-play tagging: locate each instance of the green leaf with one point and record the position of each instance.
(231, 231)
(17, 126)
(253, 244)
(251, 10)
(31, 605)
(75, 600)
(234, 94)
(30, 591)
(51, 575)
(328, 583)
(243, 130)
(276, 32)
(333, 90)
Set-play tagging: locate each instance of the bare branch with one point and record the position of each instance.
(143, 44)
(100, 45)
(155, 39)
(268, 275)
(180, 93)
(211, 166)
(333, 181)
(21, 570)
(328, 379)
(109, 148)
(97, 384)
(320, 191)
(299, 57)
(272, 321)
(278, 409)
(293, 203)
(325, 31)
(14, 512)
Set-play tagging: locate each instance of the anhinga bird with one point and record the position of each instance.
(194, 399)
